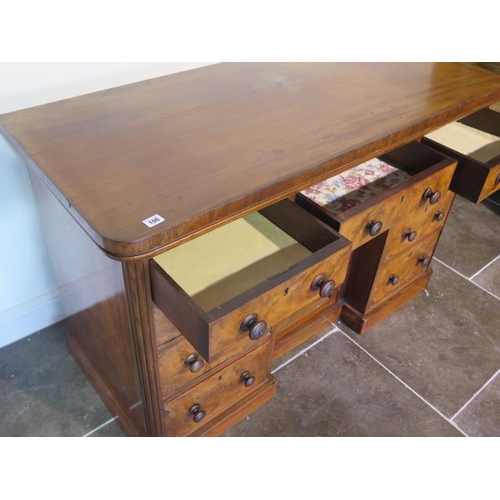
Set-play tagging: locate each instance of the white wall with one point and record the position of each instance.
(29, 297)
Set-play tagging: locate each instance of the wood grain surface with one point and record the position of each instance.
(206, 146)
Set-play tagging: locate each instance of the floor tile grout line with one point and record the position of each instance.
(485, 290)
(334, 330)
(468, 279)
(453, 424)
(100, 426)
(493, 201)
(337, 329)
(135, 405)
(474, 396)
(452, 268)
(484, 267)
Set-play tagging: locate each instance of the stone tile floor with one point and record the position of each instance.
(431, 369)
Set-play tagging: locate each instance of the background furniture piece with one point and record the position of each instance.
(125, 175)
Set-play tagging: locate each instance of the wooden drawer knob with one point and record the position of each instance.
(393, 279)
(409, 235)
(325, 286)
(432, 196)
(424, 261)
(256, 329)
(439, 216)
(197, 412)
(374, 227)
(195, 364)
(247, 379)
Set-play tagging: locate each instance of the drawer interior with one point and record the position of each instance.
(468, 140)
(228, 261)
(372, 179)
(231, 259)
(248, 269)
(356, 185)
(475, 142)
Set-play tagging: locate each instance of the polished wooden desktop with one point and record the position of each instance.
(125, 175)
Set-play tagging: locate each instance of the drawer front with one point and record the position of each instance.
(418, 220)
(226, 334)
(246, 318)
(478, 172)
(406, 209)
(179, 364)
(492, 182)
(217, 393)
(473, 180)
(370, 222)
(375, 207)
(397, 271)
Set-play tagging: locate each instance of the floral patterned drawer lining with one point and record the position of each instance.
(355, 186)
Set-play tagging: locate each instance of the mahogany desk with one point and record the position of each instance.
(200, 149)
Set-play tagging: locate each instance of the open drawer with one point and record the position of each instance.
(227, 288)
(475, 143)
(366, 200)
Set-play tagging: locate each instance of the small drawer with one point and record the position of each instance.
(475, 143)
(397, 271)
(178, 365)
(184, 414)
(423, 217)
(365, 201)
(226, 289)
